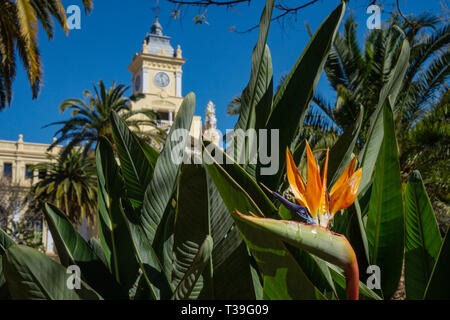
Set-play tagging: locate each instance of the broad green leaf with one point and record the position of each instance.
(187, 284)
(201, 211)
(192, 225)
(150, 153)
(246, 181)
(385, 222)
(438, 287)
(282, 276)
(154, 282)
(123, 263)
(316, 270)
(74, 250)
(341, 152)
(256, 99)
(294, 96)
(5, 242)
(230, 254)
(159, 191)
(31, 275)
(96, 246)
(136, 167)
(422, 239)
(259, 103)
(163, 242)
(369, 153)
(349, 223)
(104, 229)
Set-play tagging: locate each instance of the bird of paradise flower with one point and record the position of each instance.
(317, 207)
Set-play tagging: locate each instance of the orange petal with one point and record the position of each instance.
(295, 179)
(254, 214)
(346, 194)
(313, 183)
(344, 176)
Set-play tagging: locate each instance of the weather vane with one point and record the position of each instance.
(157, 9)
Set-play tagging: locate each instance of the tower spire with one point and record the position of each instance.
(156, 27)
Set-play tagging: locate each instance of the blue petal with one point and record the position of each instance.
(302, 212)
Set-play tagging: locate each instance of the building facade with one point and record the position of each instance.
(16, 176)
(17, 157)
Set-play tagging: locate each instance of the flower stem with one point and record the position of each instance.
(352, 280)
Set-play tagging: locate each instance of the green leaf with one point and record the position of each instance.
(341, 152)
(294, 96)
(154, 282)
(423, 240)
(150, 153)
(247, 182)
(230, 254)
(187, 283)
(5, 242)
(123, 263)
(135, 161)
(31, 275)
(98, 250)
(282, 276)
(438, 287)
(124, 235)
(256, 99)
(201, 211)
(163, 243)
(385, 222)
(74, 250)
(316, 269)
(350, 224)
(192, 225)
(161, 187)
(369, 153)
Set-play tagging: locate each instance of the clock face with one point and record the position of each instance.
(162, 79)
(137, 83)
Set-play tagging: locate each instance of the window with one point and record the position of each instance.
(7, 170)
(164, 115)
(28, 172)
(42, 173)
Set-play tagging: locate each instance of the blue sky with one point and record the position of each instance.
(218, 61)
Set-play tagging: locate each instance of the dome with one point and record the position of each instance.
(156, 28)
(156, 41)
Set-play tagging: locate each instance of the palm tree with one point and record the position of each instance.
(358, 75)
(234, 106)
(69, 183)
(90, 120)
(19, 21)
(428, 148)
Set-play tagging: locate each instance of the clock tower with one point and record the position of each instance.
(157, 73)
